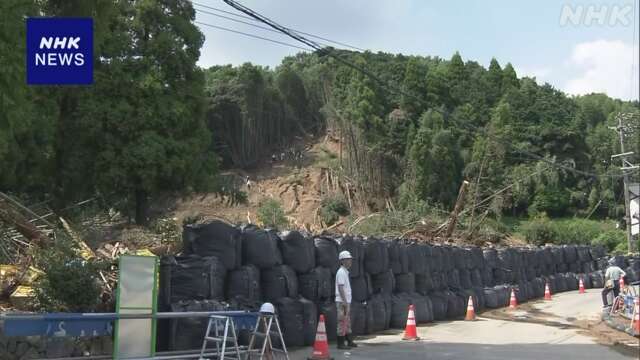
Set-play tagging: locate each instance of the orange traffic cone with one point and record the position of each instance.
(547, 292)
(321, 346)
(410, 332)
(581, 287)
(636, 315)
(471, 312)
(513, 303)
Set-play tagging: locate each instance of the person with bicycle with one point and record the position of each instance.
(612, 282)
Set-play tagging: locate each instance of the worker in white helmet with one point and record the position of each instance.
(343, 301)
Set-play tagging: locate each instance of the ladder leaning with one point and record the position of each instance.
(266, 321)
(221, 330)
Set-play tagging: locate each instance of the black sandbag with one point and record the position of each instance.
(491, 298)
(538, 288)
(297, 251)
(328, 309)
(439, 281)
(490, 257)
(478, 258)
(562, 268)
(398, 257)
(439, 306)
(479, 295)
(191, 278)
(369, 318)
(383, 283)
(447, 260)
(584, 253)
(376, 259)
(188, 333)
(216, 238)
(327, 253)
(290, 315)
(316, 285)
(505, 258)
(424, 284)
(355, 248)
(278, 282)
(456, 305)
(572, 281)
(309, 320)
(358, 318)
(361, 288)
(260, 247)
(399, 311)
(558, 255)
(244, 283)
(597, 279)
(575, 267)
(423, 308)
(406, 283)
(427, 253)
(570, 254)
(378, 308)
(468, 258)
(487, 277)
(453, 279)
(634, 263)
(417, 262)
(437, 259)
(588, 267)
(458, 257)
(503, 293)
(561, 283)
(465, 278)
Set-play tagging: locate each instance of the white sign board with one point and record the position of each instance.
(137, 289)
(634, 207)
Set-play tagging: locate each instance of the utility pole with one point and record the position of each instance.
(626, 165)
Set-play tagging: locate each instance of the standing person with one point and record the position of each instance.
(343, 301)
(612, 281)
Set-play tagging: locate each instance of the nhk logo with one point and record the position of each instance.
(60, 51)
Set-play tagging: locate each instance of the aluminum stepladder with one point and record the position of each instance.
(224, 324)
(266, 321)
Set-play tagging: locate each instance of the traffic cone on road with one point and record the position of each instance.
(471, 312)
(513, 303)
(410, 332)
(547, 292)
(636, 315)
(581, 287)
(321, 346)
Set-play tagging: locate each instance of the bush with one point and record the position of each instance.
(271, 214)
(611, 240)
(69, 284)
(539, 231)
(543, 230)
(331, 208)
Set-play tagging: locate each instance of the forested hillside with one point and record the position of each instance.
(412, 128)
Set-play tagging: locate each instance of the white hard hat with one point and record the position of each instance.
(267, 308)
(345, 255)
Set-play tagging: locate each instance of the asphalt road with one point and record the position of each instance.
(537, 330)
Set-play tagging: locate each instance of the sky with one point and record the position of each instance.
(577, 46)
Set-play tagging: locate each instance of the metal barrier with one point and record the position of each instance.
(100, 324)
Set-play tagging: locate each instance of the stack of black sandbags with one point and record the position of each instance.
(228, 267)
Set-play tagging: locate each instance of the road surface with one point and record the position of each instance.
(536, 330)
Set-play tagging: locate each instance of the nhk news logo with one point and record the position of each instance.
(59, 51)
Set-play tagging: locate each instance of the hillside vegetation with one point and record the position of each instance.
(410, 129)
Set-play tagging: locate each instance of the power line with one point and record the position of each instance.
(239, 21)
(252, 35)
(252, 19)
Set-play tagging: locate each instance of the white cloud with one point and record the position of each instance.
(604, 66)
